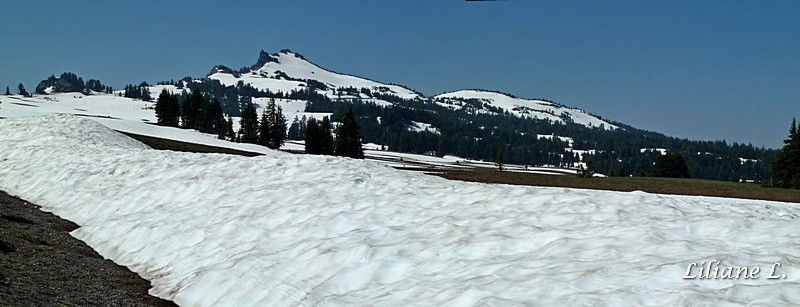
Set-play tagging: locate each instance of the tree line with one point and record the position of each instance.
(479, 131)
(69, 82)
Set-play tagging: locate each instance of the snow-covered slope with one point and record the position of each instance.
(286, 71)
(287, 230)
(529, 108)
(118, 113)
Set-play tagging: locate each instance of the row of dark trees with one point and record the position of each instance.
(69, 82)
(471, 131)
(270, 131)
(272, 128)
(347, 143)
(786, 167)
(671, 165)
(318, 137)
(473, 134)
(20, 90)
(141, 91)
(195, 111)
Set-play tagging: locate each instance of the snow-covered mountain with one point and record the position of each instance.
(529, 108)
(286, 71)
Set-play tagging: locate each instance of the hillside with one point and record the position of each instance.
(288, 71)
(470, 124)
(527, 108)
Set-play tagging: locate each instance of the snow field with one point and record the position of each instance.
(530, 107)
(282, 229)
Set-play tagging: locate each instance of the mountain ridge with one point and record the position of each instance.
(287, 70)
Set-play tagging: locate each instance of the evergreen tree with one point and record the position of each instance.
(145, 94)
(222, 128)
(203, 122)
(229, 133)
(588, 171)
(141, 91)
(191, 109)
(294, 130)
(217, 119)
(95, 85)
(671, 165)
(172, 111)
(272, 132)
(621, 172)
(500, 160)
(248, 131)
(348, 139)
(167, 109)
(22, 91)
(161, 107)
(325, 137)
(209, 116)
(278, 132)
(313, 137)
(8, 93)
(786, 167)
(265, 128)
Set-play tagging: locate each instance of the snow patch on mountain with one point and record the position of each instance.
(422, 127)
(528, 108)
(662, 151)
(565, 139)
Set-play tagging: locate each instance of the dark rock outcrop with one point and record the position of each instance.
(223, 69)
(263, 59)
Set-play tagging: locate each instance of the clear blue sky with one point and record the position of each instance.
(695, 69)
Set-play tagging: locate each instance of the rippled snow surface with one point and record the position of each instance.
(283, 229)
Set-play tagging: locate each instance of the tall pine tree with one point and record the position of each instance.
(229, 133)
(325, 137)
(248, 130)
(265, 128)
(278, 129)
(295, 132)
(313, 137)
(22, 91)
(190, 109)
(273, 126)
(786, 168)
(167, 109)
(348, 139)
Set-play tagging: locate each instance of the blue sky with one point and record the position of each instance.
(697, 69)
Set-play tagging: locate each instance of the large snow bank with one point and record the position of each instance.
(282, 229)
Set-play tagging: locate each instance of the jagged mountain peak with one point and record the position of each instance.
(288, 70)
(263, 59)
